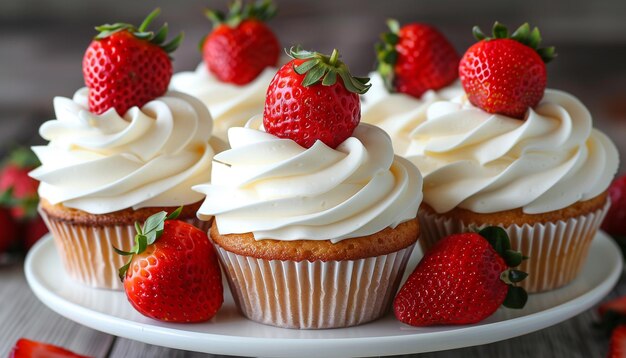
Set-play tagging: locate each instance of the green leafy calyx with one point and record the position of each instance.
(261, 10)
(386, 53)
(523, 35)
(156, 38)
(497, 237)
(147, 235)
(320, 68)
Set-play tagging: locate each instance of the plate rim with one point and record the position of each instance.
(402, 344)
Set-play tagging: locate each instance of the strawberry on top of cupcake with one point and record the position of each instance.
(417, 66)
(239, 56)
(511, 152)
(307, 190)
(122, 148)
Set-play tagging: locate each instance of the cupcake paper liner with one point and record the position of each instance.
(87, 251)
(314, 295)
(557, 250)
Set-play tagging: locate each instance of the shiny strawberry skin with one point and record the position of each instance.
(122, 71)
(615, 221)
(617, 344)
(308, 114)
(177, 279)
(9, 230)
(26, 348)
(503, 76)
(456, 282)
(426, 60)
(238, 55)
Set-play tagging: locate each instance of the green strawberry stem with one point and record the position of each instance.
(516, 296)
(387, 55)
(261, 10)
(147, 235)
(157, 38)
(523, 35)
(320, 68)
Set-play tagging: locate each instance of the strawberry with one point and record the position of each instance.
(415, 58)
(126, 66)
(173, 273)
(612, 314)
(32, 231)
(463, 279)
(240, 46)
(615, 218)
(25, 348)
(305, 102)
(617, 345)
(8, 231)
(18, 191)
(505, 74)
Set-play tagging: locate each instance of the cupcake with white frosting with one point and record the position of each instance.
(315, 217)
(103, 171)
(542, 174)
(239, 60)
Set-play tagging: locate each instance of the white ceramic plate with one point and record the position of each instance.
(229, 333)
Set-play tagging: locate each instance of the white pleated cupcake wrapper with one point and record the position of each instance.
(87, 251)
(557, 250)
(314, 295)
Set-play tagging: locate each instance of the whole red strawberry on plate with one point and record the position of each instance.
(415, 58)
(241, 46)
(313, 86)
(173, 273)
(125, 66)
(506, 74)
(463, 279)
(26, 348)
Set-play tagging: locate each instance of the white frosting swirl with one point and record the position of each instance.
(277, 189)
(229, 104)
(488, 163)
(103, 163)
(398, 113)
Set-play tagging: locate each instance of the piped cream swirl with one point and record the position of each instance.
(398, 113)
(103, 163)
(488, 163)
(229, 104)
(277, 189)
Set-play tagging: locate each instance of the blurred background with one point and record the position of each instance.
(42, 44)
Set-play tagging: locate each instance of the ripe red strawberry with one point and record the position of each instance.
(617, 305)
(614, 222)
(173, 273)
(241, 46)
(25, 348)
(126, 66)
(505, 74)
(8, 230)
(617, 345)
(32, 230)
(463, 279)
(18, 191)
(306, 102)
(415, 58)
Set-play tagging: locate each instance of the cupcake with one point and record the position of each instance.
(417, 66)
(315, 218)
(239, 60)
(101, 171)
(539, 170)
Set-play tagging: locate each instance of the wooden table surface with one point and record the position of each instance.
(23, 315)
